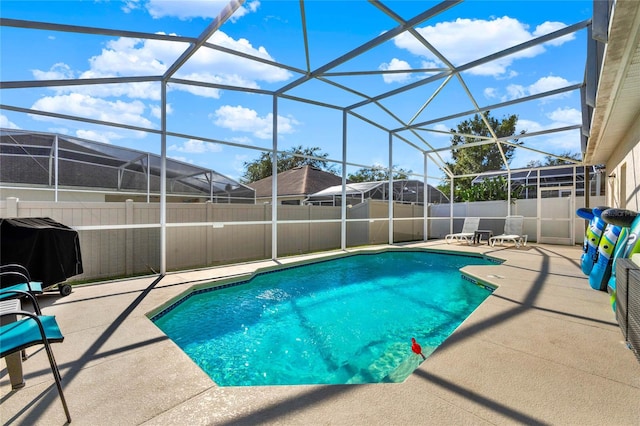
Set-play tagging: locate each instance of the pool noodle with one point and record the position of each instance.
(592, 237)
(601, 271)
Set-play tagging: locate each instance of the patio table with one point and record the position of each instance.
(477, 235)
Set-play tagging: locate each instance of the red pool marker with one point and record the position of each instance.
(415, 347)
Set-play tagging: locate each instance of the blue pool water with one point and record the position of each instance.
(343, 321)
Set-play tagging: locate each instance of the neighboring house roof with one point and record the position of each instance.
(299, 181)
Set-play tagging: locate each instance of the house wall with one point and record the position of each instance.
(623, 191)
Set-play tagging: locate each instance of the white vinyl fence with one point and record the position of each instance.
(123, 239)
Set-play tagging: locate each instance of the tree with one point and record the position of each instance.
(495, 188)
(550, 160)
(480, 158)
(262, 167)
(376, 175)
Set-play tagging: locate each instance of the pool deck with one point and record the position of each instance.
(544, 348)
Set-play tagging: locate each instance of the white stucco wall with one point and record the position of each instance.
(623, 190)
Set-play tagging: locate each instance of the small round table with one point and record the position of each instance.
(477, 235)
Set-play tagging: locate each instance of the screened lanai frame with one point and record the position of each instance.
(406, 132)
(51, 150)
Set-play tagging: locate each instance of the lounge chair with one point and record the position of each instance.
(468, 228)
(513, 226)
(32, 329)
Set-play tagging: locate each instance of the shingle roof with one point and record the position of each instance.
(303, 181)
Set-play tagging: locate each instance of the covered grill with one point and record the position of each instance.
(49, 250)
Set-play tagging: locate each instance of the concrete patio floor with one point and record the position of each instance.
(544, 348)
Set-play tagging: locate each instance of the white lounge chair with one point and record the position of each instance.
(513, 226)
(468, 228)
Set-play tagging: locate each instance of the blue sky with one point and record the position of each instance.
(272, 30)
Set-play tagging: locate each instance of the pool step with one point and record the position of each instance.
(384, 368)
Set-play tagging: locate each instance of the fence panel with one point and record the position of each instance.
(110, 253)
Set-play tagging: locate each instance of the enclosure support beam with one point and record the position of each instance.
(451, 205)
(163, 179)
(343, 204)
(274, 183)
(56, 164)
(390, 192)
(508, 191)
(148, 178)
(425, 201)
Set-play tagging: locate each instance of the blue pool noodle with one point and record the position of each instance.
(592, 236)
(601, 271)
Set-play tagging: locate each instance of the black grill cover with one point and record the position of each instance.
(49, 250)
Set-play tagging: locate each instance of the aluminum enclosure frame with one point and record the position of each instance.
(321, 73)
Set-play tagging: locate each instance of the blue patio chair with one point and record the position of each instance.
(33, 329)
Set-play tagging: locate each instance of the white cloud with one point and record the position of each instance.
(180, 158)
(6, 123)
(490, 93)
(549, 27)
(567, 141)
(193, 146)
(464, 40)
(515, 91)
(186, 9)
(58, 71)
(529, 126)
(238, 118)
(395, 64)
(156, 110)
(99, 136)
(544, 84)
(430, 64)
(241, 139)
(89, 107)
(560, 117)
(130, 56)
(440, 128)
(130, 5)
(136, 57)
(566, 116)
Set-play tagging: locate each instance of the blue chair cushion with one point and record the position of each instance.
(33, 287)
(23, 333)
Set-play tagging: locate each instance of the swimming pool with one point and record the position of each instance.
(348, 320)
